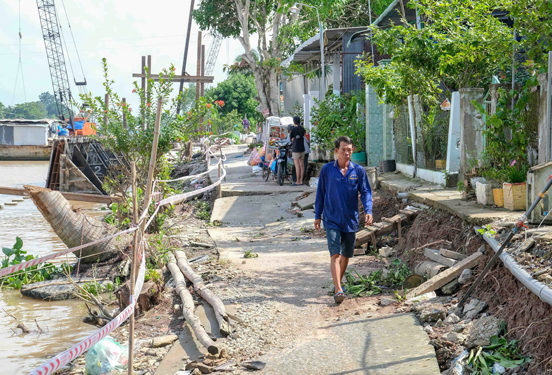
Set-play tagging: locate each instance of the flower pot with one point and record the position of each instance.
(498, 195)
(515, 196)
(359, 158)
(440, 164)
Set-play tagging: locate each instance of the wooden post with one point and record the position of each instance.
(202, 68)
(198, 63)
(144, 72)
(185, 52)
(133, 269)
(220, 174)
(124, 116)
(106, 108)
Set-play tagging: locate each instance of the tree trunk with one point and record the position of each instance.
(75, 228)
(205, 293)
(188, 307)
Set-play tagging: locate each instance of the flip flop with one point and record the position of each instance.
(339, 297)
(342, 289)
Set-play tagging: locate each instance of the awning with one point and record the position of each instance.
(310, 49)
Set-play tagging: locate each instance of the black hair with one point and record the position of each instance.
(343, 138)
(296, 120)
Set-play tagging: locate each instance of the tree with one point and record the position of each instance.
(50, 104)
(241, 19)
(238, 93)
(2, 110)
(29, 111)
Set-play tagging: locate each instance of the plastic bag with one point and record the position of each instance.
(106, 357)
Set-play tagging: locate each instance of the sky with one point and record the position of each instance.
(120, 30)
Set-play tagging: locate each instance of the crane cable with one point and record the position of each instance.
(20, 64)
(82, 89)
(67, 52)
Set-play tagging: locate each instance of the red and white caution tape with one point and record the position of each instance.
(76, 350)
(34, 262)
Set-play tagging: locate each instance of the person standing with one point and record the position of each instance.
(339, 185)
(297, 137)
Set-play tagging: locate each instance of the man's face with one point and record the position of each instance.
(344, 151)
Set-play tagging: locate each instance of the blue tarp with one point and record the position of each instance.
(78, 125)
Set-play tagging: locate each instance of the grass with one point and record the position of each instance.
(250, 254)
(203, 210)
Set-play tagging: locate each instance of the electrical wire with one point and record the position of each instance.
(20, 64)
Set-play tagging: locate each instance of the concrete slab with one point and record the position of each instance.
(446, 199)
(307, 202)
(259, 187)
(187, 344)
(394, 344)
(252, 210)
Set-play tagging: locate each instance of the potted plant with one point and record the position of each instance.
(515, 187)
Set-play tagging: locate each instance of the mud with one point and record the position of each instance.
(528, 319)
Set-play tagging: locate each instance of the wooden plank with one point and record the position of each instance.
(155, 77)
(436, 257)
(452, 254)
(445, 277)
(93, 198)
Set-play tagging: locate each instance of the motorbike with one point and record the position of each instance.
(281, 172)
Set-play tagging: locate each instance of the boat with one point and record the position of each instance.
(22, 139)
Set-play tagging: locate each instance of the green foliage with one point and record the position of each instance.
(29, 110)
(238, 92)
(502, 351)
(250, 254)
(160, 254)
(41, 272)
(369, 284)
(487, 231)
(203, 210)
(460, 45)
(153, 275)
(362, 285)
(338, 115)
(50, 105)
(508, 134)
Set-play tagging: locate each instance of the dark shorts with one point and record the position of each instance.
(342, 243)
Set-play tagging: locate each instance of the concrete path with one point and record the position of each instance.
(446, 199)
(240, 179)
(292, 269)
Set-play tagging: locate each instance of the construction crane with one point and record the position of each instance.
(212, 56)
(54, 41)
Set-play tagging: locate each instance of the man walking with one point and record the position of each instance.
(298, 149)
(339, 184)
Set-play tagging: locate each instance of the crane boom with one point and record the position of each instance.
(213, 54)
(56, 59)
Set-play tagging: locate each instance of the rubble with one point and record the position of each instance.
(479, 332)
(465, 276)
(473, 308)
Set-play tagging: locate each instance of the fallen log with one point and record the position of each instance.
(75, 228)
(445, 277)
(188, 307)
(217, 304)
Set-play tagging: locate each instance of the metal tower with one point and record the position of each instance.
(56, 59)
(213, 54)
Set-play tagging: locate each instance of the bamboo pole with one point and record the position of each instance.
(188, 307)
(200, 288)
(133, 269)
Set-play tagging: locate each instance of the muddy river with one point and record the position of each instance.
(61, 321)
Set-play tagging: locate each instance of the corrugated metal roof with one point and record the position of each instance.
(310, 49)
(25, 122)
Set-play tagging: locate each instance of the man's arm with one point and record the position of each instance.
(365, 192)
(319, 201)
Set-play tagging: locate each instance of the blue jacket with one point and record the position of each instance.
(337, 196)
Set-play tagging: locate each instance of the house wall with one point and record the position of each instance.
(351, 81)
(374, 128)
(30, 135)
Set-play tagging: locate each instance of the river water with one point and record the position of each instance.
(61, 321)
